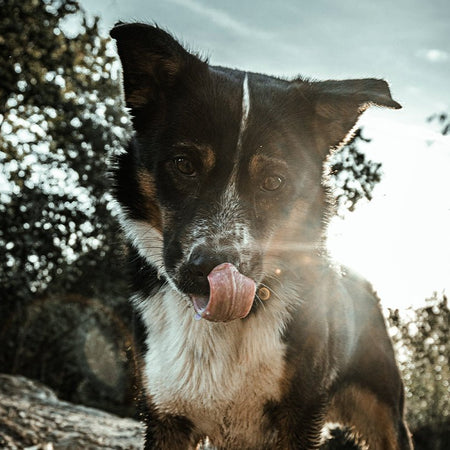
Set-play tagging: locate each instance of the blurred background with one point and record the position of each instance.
(64, 317)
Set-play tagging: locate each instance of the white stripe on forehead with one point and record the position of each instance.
(230, 197)
(245, 100)
(225, 223)
(245, 109)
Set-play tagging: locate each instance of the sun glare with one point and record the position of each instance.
(399, 241)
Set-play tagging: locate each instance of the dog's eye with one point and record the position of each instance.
(272, 183)
(185, 166)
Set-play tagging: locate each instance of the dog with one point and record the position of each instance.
(254, 340)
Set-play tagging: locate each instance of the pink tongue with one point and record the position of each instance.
(231, 295)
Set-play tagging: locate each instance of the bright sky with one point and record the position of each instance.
(401, 240)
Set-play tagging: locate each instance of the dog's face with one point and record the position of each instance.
(223, 178)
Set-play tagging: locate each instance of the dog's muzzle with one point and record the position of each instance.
(219, 292)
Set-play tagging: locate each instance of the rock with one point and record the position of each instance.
(33, 418)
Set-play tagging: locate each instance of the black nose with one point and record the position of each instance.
(201, 262)
(203, 259)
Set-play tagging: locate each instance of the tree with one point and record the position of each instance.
(60, 117)
(353, 176)
(422, 341)
(443, 120)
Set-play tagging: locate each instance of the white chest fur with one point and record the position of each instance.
(219, 375)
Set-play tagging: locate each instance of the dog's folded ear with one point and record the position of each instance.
(152, 61)
(338, 104)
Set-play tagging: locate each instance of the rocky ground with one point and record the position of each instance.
(33, 418)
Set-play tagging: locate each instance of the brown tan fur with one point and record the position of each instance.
(151, 205)
(365, 415)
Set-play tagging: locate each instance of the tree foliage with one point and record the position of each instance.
(422, 338)
(60, 116)
(443, 121)
(353, 176)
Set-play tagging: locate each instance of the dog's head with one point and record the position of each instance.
(223, 178)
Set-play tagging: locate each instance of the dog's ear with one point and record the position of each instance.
(338, 105)
(152, 61)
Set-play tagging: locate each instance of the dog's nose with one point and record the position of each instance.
(201, 262)
(204, 259)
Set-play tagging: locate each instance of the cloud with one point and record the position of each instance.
(434, 55)
(223, 19)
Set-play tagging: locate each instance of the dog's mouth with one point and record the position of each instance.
(231, 295)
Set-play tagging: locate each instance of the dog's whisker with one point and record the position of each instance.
(260, 302)
(268, 287)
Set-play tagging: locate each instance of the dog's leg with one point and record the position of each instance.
(168, 432)
(375, 424)
(368, 393)
(299, 426)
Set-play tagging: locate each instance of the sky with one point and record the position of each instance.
(400, 240)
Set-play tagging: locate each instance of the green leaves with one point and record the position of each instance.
(61, 117)
(353, 176)
(443, 120)
(422, 340)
